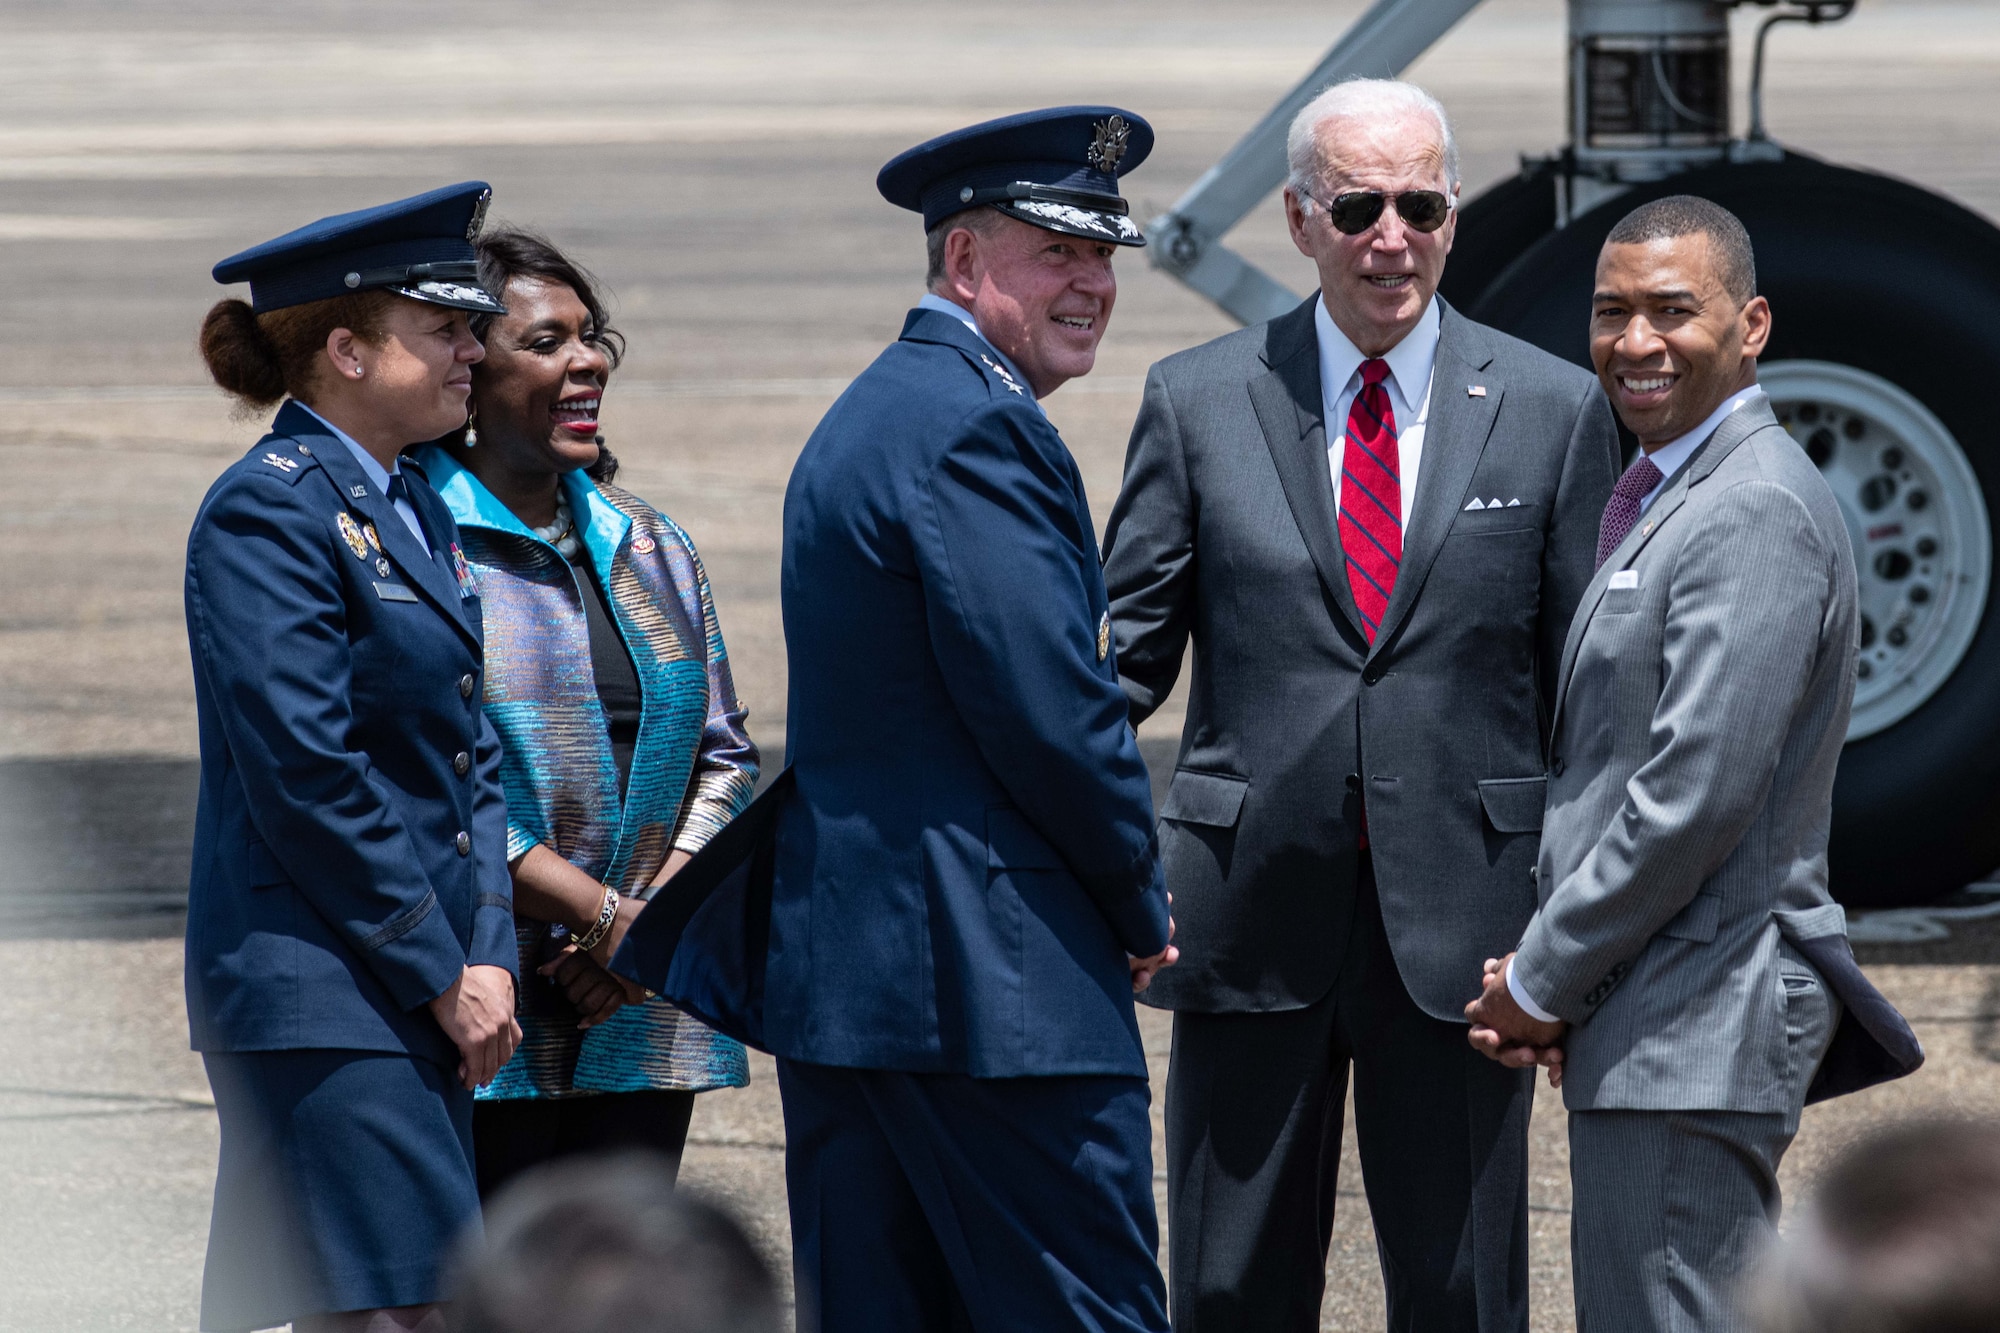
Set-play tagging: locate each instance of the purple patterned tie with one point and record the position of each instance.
(1621, 511)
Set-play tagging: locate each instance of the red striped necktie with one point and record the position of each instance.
(1371, 497)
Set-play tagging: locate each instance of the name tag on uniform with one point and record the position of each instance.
(1624, 578)
(394, 592)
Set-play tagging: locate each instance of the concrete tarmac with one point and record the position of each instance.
(714, 164)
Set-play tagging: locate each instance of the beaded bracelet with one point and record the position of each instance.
(606, 914)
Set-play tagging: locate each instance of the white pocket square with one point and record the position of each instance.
(1624, 578)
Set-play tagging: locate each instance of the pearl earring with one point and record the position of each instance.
(357, 372)
(471, 436)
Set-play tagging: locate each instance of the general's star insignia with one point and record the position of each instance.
(350, 532)
(280, 462)
(1001, 371)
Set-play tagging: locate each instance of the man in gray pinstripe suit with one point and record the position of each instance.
(1685, 973)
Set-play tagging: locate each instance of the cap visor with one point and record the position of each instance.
(1116, 228)
(457, 295)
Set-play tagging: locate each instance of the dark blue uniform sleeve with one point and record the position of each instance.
(1014, 593)
(271, 639)
(493, 940)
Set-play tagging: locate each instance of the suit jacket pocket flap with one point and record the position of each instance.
(1812, 923)
(1013, 844)
(1698, 920)
(1514, 805)
(1205, 798)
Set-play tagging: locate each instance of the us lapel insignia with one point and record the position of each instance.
(1475, 391)
(382, 566)
(374, 541)
(1104, 636)
(358, 492)
(643, 545)
(468, 586)
(351, 534)
(280, 462)
(1001, 371)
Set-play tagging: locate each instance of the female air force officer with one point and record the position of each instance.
(350, 946)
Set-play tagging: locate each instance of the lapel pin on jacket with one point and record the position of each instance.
(1475, 391)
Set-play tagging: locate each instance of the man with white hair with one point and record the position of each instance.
(1373, 518)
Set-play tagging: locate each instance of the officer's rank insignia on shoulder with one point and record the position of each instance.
(280, 462)
(350, 532)
(1001, 371)
(1104, 636)
(374, 541)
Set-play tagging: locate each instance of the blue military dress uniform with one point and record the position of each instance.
(963, 854)
(350, 847)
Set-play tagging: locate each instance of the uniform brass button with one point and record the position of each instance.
(465, 686)
(461, 763)
(464, 844)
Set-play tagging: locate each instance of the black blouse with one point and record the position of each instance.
(611, 664)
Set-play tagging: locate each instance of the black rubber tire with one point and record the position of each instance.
(1889, 278)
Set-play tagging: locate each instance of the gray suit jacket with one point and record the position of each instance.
(1225, 533)
(1699, 716)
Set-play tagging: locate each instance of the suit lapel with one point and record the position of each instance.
(399, 545)
(1290, 411)
(1455, 435)
(1737, 427)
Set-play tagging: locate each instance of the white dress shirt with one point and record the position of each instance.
(1672, 456)
(1669, 458)
(1409, 384)
(376, 475)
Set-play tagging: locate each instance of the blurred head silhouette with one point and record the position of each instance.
(1903, 1236)
(608, 1246)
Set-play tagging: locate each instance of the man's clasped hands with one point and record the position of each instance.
(1504, 1031)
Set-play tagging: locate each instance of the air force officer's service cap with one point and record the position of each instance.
(420, 247)
(1057, 169)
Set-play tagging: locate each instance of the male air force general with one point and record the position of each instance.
(964, 892)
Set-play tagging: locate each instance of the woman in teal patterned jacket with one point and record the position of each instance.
(625, 747)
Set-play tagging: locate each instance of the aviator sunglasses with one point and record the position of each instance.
(1357, 210)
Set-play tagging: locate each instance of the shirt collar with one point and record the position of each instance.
(1410, 360)
(361, 456)
(932, 301)
(1671, 457)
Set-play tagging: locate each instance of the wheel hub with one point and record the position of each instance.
(1922, 541)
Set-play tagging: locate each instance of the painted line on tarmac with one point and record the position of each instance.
(121, 1103)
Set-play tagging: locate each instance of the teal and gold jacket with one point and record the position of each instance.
(693, 766)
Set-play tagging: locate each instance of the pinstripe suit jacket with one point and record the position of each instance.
(1701, 707)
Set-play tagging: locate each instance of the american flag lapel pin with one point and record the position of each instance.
(1475, 391)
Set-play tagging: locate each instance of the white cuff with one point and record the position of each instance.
(1521, 997)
